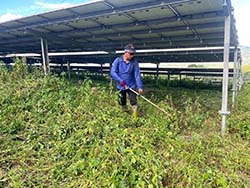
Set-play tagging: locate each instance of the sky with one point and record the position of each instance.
(13, 9)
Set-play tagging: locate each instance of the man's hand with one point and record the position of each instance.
(140, 91)
(123, 84)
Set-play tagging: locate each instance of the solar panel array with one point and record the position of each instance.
(108, 25)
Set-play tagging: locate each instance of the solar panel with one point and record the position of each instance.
(110, 24)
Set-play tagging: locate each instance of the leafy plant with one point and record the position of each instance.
(59, 133)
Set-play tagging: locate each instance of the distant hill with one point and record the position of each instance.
(245, 52)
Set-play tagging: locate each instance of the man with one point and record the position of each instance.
(126, 72)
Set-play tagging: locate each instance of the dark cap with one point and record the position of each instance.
(129, 48)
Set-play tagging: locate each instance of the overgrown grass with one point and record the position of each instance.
(246, 68)
(55, 133)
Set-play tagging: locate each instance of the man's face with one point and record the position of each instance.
(129, 55)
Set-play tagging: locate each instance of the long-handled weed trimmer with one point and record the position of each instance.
(147, 100)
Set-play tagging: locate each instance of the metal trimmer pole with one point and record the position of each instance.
(148, 101)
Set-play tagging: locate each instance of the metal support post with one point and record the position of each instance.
(61, 67)
(101, 69)
(157, 73)
(29, 62)
(110, 67)
(235, 76)
(68, 68)
(45, 56)
(224, 110)
(78, 75)
(240, 76)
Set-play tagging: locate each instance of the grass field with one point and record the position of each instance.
(59, 133)
(246, 68)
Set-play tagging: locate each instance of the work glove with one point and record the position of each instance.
(123, 84)
(140, 91)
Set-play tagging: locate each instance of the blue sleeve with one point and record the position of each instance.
(115, 69)
(138, 78)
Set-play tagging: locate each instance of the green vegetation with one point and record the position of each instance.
(56, 133)
(246, 69)
(239, 122)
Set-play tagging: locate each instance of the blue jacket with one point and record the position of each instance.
(130, 73)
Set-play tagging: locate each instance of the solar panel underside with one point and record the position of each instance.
(108, 25)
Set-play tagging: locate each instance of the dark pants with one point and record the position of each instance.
(123, 97)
